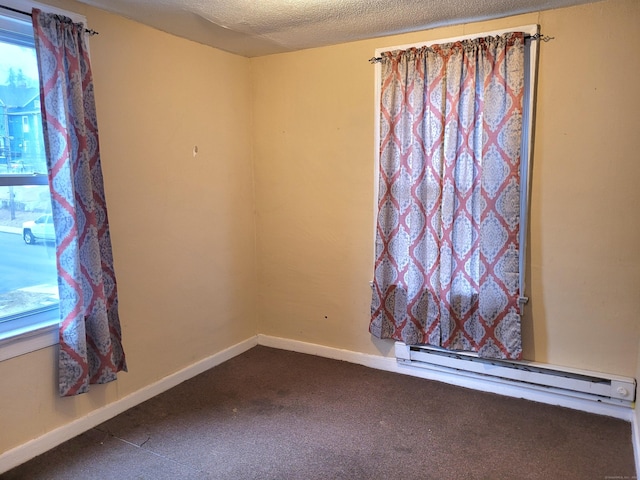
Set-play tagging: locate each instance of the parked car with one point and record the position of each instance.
(39, 229)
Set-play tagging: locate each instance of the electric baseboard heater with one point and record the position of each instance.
(585, 384)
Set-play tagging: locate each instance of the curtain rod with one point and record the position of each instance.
(537, 36)
(88, 31)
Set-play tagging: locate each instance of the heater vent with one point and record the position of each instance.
(599, 387)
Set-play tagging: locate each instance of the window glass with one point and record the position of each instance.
(28, 277)
(20, 119)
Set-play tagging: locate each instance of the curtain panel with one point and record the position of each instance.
(447, 236)
(90, 348)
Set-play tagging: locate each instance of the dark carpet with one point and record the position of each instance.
(273, 414)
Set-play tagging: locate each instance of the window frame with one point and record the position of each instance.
(526, 151)
(28, 332)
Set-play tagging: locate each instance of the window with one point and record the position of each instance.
(29, 313)
(530, 55)
(451, 213)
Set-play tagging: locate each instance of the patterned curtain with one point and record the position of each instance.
(447, 242)
(90, 337)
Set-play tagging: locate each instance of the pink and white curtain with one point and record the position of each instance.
(447, 242)
(90, 337)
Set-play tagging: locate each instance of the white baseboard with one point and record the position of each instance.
(31, 449)
(374, 361)
(635, 438)
(452, 377)
(22, 453)
(391, 365)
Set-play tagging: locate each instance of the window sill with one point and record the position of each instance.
(20, 341)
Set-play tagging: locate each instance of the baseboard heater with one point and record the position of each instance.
(584, 384)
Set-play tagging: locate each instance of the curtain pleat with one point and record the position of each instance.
(90, 349)
(447, 236)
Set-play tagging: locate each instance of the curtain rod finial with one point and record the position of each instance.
(544, 38)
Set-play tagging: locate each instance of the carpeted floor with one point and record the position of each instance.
(273, 414)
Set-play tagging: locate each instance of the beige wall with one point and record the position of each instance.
(314, 143)
(182, 227)
(636, 424)
(585, 222)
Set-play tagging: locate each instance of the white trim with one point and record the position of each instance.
(377, 78)
(49, 440)
(373, 361)
(635, 437)
(452, 377)
(526, 156)
(22, 453)
(36, 338)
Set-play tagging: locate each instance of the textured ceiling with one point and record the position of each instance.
(260, 27)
